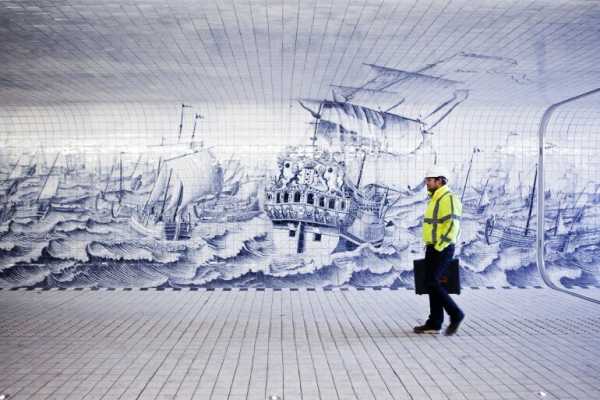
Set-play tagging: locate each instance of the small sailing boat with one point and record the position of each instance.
(19, 174)
(238, 205)
(576, 232)
(509, 234)
(238, 200)
(182, 182)
(39, 207)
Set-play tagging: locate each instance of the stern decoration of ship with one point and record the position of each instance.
(315, 209)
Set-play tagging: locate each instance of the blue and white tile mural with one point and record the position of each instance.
(336, 199)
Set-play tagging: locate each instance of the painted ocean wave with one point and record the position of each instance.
(96, 250)
(110, 274)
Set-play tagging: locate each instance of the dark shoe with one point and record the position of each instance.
(453, 327)
(426, 329)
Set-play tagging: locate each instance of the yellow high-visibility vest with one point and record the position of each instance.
(441, 223)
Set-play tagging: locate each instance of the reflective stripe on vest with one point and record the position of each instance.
(445, 237)
(434, 220)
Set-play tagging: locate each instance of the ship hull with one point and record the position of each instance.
(297, 238)
(313, 198)
(233, 211)
(365, 229)
(161, 230)
(35, 212)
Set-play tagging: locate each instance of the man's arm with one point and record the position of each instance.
(451, 210)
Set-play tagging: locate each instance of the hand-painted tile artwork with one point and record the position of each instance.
(339, 205)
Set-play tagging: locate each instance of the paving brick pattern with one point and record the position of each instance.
(295, 344)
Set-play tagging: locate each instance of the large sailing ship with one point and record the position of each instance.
(191, 177)
(334, 194)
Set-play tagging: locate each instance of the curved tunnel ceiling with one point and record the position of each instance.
(262, 52)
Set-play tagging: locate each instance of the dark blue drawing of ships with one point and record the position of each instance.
(195, 188)
(192, 188)
(501, 184)
(507, 230)
(33, 188)
(558, 237)
(569, 220)
(119, 192)
(333, 195)
(182, 181)
(33, 203)
(237, 201)
(315, 209)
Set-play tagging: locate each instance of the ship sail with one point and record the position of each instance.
(16, 172)
(424, 98)
(50, 188)
(374, 116)
(347, 124)
(376, 145)
(233, 173)
(187, 179)
(391, 87)
(23, 170)
(248, 189)
(426, 85)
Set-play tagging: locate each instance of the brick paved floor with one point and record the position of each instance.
(295, 344)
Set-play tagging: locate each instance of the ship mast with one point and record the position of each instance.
(162, 210)
(317, 117)
(112, 168)
(154, 185)
(183, 106)
(362, 166)
(196, 118)
(483, 192)
(468, 173)
(317, 120)
(47, 177)
(135, 166)
(120, 177)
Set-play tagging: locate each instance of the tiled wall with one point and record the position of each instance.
(116, 195)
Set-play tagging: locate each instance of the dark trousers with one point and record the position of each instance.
(439, 300)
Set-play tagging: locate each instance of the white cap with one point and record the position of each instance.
(436, 171)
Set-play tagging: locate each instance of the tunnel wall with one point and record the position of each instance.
(75, 176)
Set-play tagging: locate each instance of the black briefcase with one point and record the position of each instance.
(450, 280)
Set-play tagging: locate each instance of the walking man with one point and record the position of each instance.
(441, 227)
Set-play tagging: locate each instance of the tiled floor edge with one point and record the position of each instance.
(276, 289)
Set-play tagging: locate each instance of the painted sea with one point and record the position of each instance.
(88, 246)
